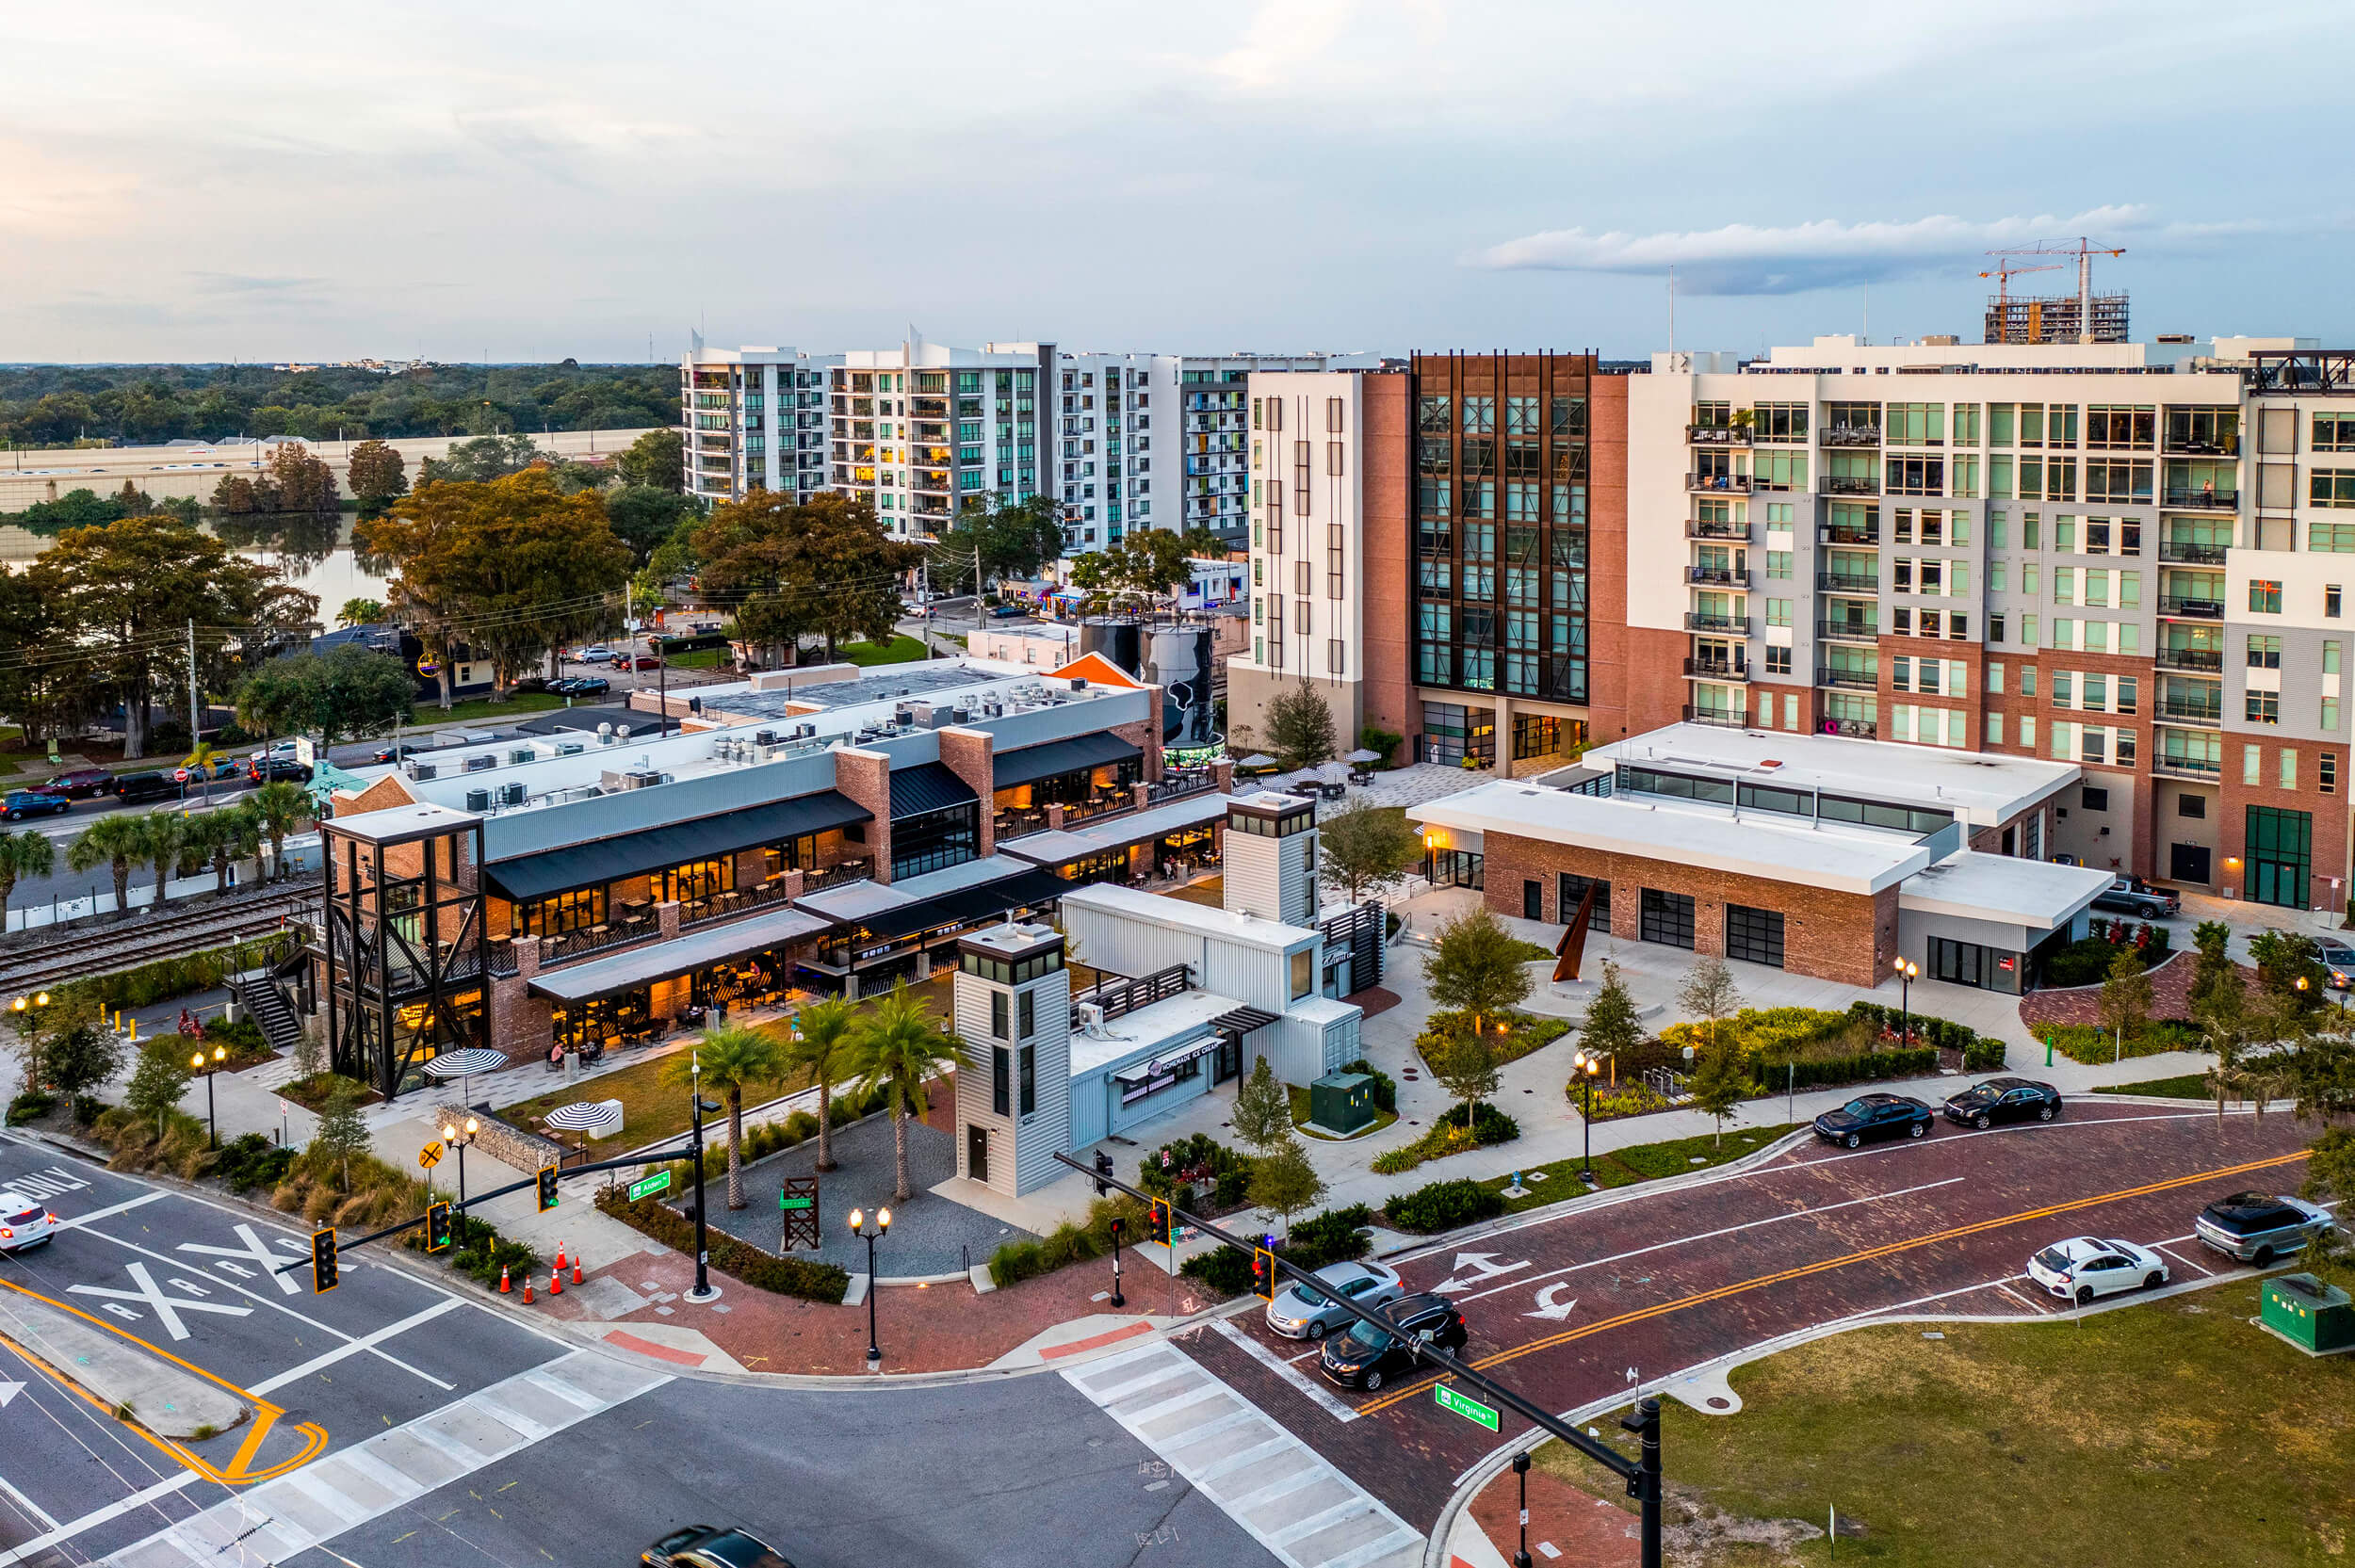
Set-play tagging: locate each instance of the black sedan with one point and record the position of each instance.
(1367, 1357)
(581, 685)
(1870, 1116)
(35, 802)
(2004, 1100)
(272, 769)
(705, 1547)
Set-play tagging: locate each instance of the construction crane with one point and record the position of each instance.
(2083, 248)
(2005, 273)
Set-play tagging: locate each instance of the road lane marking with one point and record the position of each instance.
(254, 1250)
(1711, 1236)
(365, 1342)
(109, 1212)
(167, 1308)
(1340, 1410)
(2198, 1267)
(1804, 1270)
(96, 1517)
(2029, 1302)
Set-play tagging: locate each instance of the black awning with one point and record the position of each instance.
(927, 786)
(1034, 763)
(1241, 1021)
(1024, 889)
(528, 877)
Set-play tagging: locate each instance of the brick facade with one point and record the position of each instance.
(865, 778)
(2236, 876)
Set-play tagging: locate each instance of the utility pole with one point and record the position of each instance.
(195, 724)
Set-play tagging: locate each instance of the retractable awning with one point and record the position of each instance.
(528, 877)
(1034, 763)
(682, 954)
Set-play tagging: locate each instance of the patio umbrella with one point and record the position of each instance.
(464, 1064)
(1361, 754)
(1256, 759)
(1334, 772)
(596, 1118)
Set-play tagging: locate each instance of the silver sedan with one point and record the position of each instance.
(1302, 1312)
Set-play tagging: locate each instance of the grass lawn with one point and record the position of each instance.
(1299, 1098)
(1644, 1162)
(899, 650)
(1209, 890)
(2187, 1086)
(701, 659)
(650, 1108)
(2170, 1434)
(480, 709)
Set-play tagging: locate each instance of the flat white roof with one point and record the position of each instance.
(1975, 886)
(396, 822)
(1180, 914)
(1978, 787)
(1183, 1017)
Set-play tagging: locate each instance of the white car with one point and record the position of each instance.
(2083, 1267)
(23, 1222)
(597, 652)
(282, 752)
(1299, 1312)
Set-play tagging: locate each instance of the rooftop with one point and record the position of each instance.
(1975, 886)
(396, 824)
(1059, 847)
(1185, 1016)
(1180, 914)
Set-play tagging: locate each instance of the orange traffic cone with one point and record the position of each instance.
(527, 1290)
(556, 1282)
(576, 1267)
(559, 1257)
(505, 1289)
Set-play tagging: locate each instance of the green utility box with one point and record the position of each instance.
(1342, 1102)
(2309, 1314)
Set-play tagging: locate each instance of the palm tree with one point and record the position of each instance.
(823, 1043)
(115, 842)
(164, 837)
(279, 808)
(732, 1057)
(901, 1044)
(22, 854)
(224, 836)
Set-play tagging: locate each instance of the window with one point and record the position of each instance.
(2326, 766)
(1666, 918)
(1304, 965)
(2191, 807)
(2093, 799)
(2252, 765)
(1029, 1078)
(2265, 652)
(2331, 601)
(1001, 1080)
(1572, 889)
(2331, 487)
(2265, 596)
(2287, 763)
(997, 1016)
(1994, 723)
(1027, 1014)
(1778, 661)
(1754, 935)
(1778, 563)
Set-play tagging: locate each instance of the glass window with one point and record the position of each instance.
(1304, 964)
(2265, 596)
(1666, 918)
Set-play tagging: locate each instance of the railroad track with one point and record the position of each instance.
(108, 950)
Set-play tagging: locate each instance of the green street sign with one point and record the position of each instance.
(786, 1202)
(647, 1187)
(1471, 1410)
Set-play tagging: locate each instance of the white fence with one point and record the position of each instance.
(301, 856)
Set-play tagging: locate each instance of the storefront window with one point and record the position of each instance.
(567, 911)
(699, 880)
(932, 840)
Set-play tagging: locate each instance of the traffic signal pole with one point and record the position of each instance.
(1642, 1476)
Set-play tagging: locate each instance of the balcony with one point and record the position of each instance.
(2227, 447)
(834, 876)
(1737, 625)
(1850, 484)
(1179, 782)
(2177, 553)
(2204, 769)
(1852, 435)
(1703, 529)
(595, 939)
(1718, 435)
(1853, 729)
(727, 905)
(1717, 669)
(1718, 576)
(2206, 661)
(2205, 498)
(2196, 609)
(1846, 582)
(1737, 483)
(1853, 680)
(1841, 533)
(1724, 719)
(1849, 631)
(2177, 710)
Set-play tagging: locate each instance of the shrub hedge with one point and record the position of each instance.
(29, 1106)
(1385, 1087)
(1449, 1135)
(164, 978)
(784, 1276)
(1179, 1169)
(1329, 1237)
(1509, 1035)
(1067, 1243)
(1443, 1206)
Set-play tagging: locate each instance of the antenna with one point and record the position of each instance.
(1672, 309)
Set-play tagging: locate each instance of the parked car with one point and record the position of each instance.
(284, 748)
(587, 685)
(279, 768)
(2339, 959)
(398, 750)
(1870, 1116)
(1008, 613)
(2004, 1100)
(218, 768)
(24, 1222)
(80, 784)
(530, 683)
(1306, 1312)
(2258, 1227)
(2134, 897)
(597, 652)
(702, 1547)
(131, 788)
(2083, 1267)
(1367, 1357)
(22, 803)
(647, 661)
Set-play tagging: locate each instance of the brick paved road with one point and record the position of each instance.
(1659, 1283)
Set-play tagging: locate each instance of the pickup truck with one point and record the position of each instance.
(2134, 897)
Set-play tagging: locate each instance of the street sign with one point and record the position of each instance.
(430, 1156)
(646, 1186)
(797, 1208)
(1471, 1410)
(787, 1205)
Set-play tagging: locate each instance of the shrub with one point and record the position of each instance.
(1444, 1207)
(86, 1108)
(1984, 1053)
(1068, 1244)
(2092, 1043)
(1509, 1036)
(252, 1161)
(164, 978)
(784, 1276)
(1628, 1099)
(1450, 1136)
(1778, 1031)
(28, 1107)
(1385, 1087)
(1329, 1237)
(1225, 1269)
(1197, 1162)
(1912, 1062)
(2086, 962)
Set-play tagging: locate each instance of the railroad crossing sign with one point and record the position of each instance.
(430, 1156)
(1471, 1410)
(797, 1205)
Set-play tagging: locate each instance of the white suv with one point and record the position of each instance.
(23, 1222)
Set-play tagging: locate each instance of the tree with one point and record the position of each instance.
(1719, 1086)
(279, 807)
(2126, 996)
(2289, 967)
(825, 1042)
(1367, 851)
(482, 459)
(1469, 1068)
(361, 612)
(115, 842)
(901, 1045)
(24, 854)
(1283, 1182)
(341, 1132)
(80, 1057)
(1300, 727)
(822, 567)
(1709, 994)
(733, 1057)
(224, 836)
(347, 691)
(646, 516)
(1475, 965)
(1014, 538)
(1263, 1108)
(2213, 966)
(376, 475)
(1612, 1029)
(163, 839)
(1144, 567)
(2331, 1168)
(657, 459)
(160, 1080)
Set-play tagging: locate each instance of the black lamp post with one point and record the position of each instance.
(1586, 1064)
(457, 1138)
(860, 1228)
(1906, 969)
(703, 1291)
(204, 1069)
(1118, 1301)
(1521, 1472)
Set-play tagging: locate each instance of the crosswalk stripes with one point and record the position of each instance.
(1285, 1495)
(278, 1520)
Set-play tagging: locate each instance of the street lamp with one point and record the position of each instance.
(1586, 1065)
(204, 1069)
(1907, 969)
(860, 1228)
(457, 1138)
(703, 1291)
(1520, 1473)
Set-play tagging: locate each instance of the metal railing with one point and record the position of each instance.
(1724, 719)
(1737, 483)
(1834, 533)
(1178, 783)
(837, 873)
(1848, 631)
(2207, 660)
(498, 957)
(1851, 435)
(1717, 669)
(1846, 582)
(1696, 622)
(1718, 435)
(2179, 711)
(1850, 484)
(2177, 553)
(2205, 448)
(724, 906)
(2203, 610)
(1717, 576)
(1707, 528)
(2195, 767)
(1120, 995)
(568, 945)
(2206, 498)
(1853, 679)
(1854, 729)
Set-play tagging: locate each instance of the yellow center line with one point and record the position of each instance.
(1802, 1271)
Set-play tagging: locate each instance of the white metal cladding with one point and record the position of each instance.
(1272, 878)
(1252, 976)
(1104, 939)
(1046, 1131)
(1021, 1148)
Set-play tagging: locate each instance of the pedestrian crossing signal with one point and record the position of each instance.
(323, 1261)
(436, 1227)
(1157, 1221)
(1263, 1273)
(548, 1188)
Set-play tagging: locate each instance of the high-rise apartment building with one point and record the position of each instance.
(754, 418)
(923, 431)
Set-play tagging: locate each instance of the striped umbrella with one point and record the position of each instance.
(463, 1065)
(596, 1118)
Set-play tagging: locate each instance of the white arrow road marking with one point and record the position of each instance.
(167, 1308)
(1549, 1308)
(9, 1391)
(1483, 1267)
(254, 1250)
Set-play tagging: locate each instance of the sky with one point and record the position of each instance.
(528, 182)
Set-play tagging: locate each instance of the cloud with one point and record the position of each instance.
(1742, 259)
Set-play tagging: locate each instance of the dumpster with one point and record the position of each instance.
(1342, 1102)
(2314, 1316)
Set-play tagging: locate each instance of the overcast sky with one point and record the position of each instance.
(526, 182)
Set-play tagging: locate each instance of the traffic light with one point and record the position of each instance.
(1157, 1221)
(1263, 1273)
(323, 1260)
(1117, 1225)
(436, 1227)
(548, 1188)
(1103, 1169)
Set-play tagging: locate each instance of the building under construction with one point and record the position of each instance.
(2054, 319)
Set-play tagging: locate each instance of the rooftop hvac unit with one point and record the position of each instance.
(569, 747)
(621, 732)
(478, 800)
(803, 732)
(765, 738)
(424, 772)
(605, 729)
(510, 795)
(481, 760)
(1091, 1018)
(523, 754)
(1079, 683)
